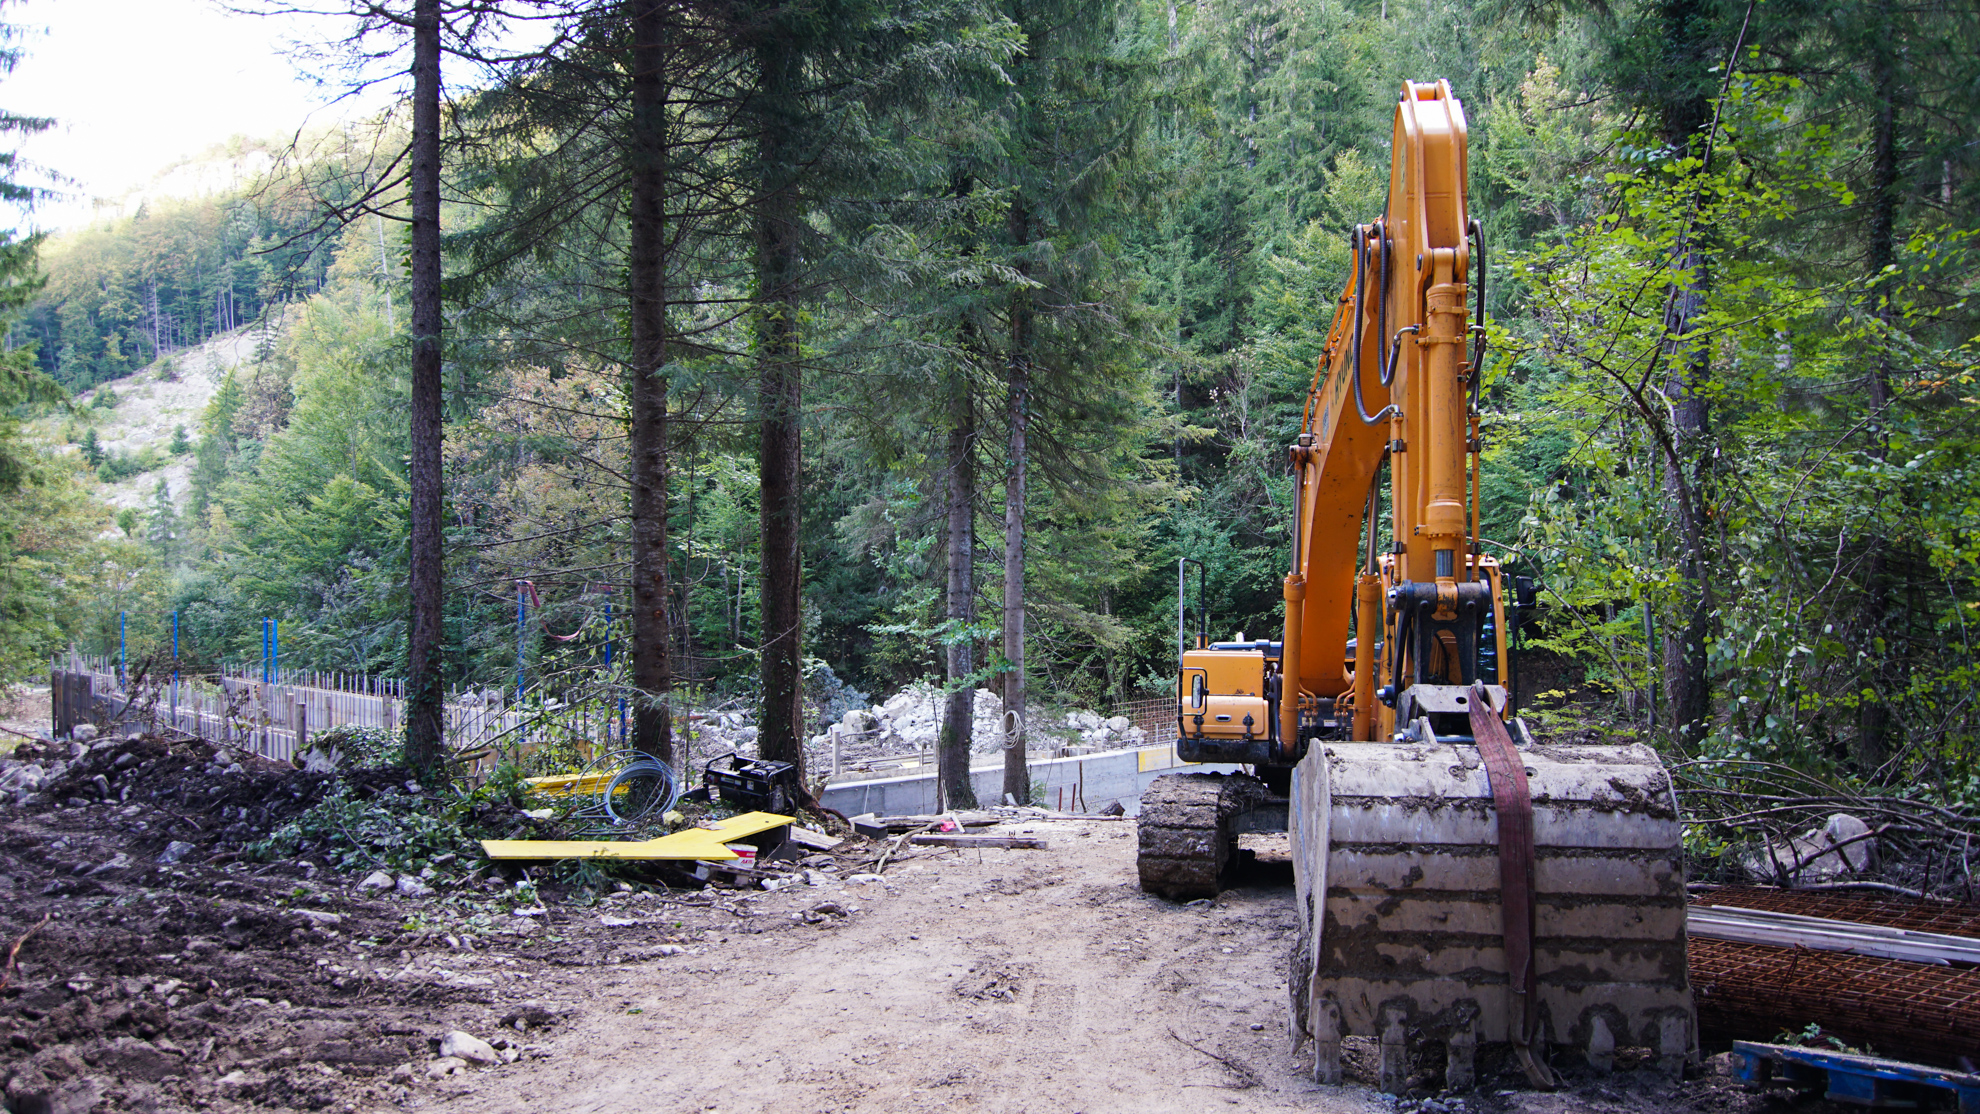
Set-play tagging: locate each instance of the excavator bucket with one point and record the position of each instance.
(1407, 935)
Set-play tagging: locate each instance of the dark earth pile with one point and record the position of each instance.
(205, 979)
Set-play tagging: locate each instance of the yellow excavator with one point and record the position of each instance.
(1460, 883)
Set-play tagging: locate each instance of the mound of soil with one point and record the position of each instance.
(156, 970)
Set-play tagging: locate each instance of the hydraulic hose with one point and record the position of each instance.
(1360, 241)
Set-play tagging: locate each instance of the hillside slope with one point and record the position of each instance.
(149, 405)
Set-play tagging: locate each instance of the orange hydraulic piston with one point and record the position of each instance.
(1367, 622)
(1289, 693)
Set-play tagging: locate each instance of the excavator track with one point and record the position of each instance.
(1185, 831)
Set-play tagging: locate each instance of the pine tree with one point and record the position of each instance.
(162, 524)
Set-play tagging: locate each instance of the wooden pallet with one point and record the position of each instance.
(1864, 1080)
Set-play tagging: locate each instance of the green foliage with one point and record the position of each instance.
(390, 831)
(112, 467)
(362, 747)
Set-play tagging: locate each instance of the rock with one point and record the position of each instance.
(466, 1046)
(176, 850)
(83, 733)
(102, 785)
(402, 1074)
(319, 918)
(376, 880)
(410, 886)
(445, 1066)
(1839, 847)
(78, 1096)
(235, 770)
(671, 949)
(117, 862)
(1119, 724)
(317, 761)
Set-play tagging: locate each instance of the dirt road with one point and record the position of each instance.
(983, 980)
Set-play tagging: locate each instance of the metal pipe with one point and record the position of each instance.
(1182, 590)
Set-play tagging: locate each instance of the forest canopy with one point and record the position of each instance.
(1053, 277)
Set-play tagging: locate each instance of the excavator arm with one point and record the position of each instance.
(1396, 384)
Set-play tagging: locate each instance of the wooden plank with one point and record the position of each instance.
(816, 841)
(1024, 843)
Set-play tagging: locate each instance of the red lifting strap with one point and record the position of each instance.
(1513, 803)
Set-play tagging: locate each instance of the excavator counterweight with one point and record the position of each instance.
(1459, 882)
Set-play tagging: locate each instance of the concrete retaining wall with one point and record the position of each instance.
(1087, 783)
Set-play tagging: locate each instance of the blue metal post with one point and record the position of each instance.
(123, 661)
(608, 673)
(275, 650)
(175, 647)
(521, 641)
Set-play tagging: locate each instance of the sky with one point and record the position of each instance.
(136, 85)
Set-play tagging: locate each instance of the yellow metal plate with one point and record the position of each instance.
(684, 846)
(565, 785)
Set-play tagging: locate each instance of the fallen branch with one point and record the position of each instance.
(14, 952)
(1246, 1077)
(1022, 843)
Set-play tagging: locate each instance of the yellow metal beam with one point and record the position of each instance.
(685, 846)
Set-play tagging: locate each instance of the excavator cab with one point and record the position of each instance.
(1226, 703)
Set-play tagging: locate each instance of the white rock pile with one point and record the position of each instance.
(910, 722)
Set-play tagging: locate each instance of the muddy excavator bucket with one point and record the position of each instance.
(1406, 934)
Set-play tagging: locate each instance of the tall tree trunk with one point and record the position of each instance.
(779, 390)
(1686, 111)
(646, 296)
(1873, 720)
(959, 713)
(424, 745)
(1017, 773)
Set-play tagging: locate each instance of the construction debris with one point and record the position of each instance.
(690, 845)
(1845, 1077)
(813, 840)
(1024, 843)
(879, 827)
